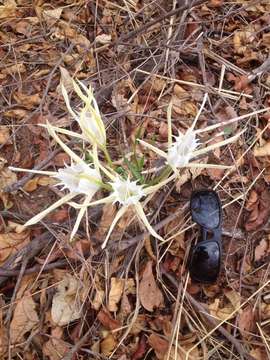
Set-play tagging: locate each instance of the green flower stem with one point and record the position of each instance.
(107, 156)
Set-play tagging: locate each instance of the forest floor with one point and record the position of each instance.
(134, 299)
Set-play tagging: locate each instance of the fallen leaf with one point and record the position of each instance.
(261, 249)
(107, 345)
(259, 210)
(246, 321)
(107, 321)
(258, 354)
(138, 325)
(108, 214)
(98, 299)
(8, 9)
(141, 349)
(234, 298)
(52, 15)
(27, 101)
(11, 242)
(117, 287)
(55, 348)
(159, 345)
(25, 318)
(7, 178)
(103, 39)
(3, 340)
(61, 159)
(150, 295)
(33, 184)
(263, 150)
(66, 305)
(66, 80)
(4, 135)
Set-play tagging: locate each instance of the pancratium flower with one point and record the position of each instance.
(127, 193)
(88, 117)
(182, 149)
(78, 178)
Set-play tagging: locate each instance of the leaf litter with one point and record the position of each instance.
(59, 297)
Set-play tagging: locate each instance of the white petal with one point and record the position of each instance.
(153, 148)
(118, 215)
(33, 171)
(80, 216)
(53, 134)
(148, 226)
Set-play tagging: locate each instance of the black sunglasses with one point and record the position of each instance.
(205, 257)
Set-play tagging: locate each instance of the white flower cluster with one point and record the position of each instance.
(86, 180)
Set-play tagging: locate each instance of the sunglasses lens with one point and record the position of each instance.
(205, 209)
(205, 262)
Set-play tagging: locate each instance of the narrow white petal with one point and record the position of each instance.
(53, 134)
(148, 226)
(153, 148)
(200, 111)
(217, 145)
(208, 166)
(65, 132)
(33, 171)
(80, 216)
(118, 215)
(228, 122)
(66, 98)
(54, 206)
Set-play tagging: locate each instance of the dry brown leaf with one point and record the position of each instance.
(103, 39)
(8, 9)
(263, 150)
(3, 340)
(66, 303)
(66, 80)
(55, 348)
(98, 299)
(259, 207)
(187, 174)
(7, 178)
(117, 287)
(25, 318)
(234, 298)
(107, 321)
(261, 249)
(52, 15)
(108, 344)
(108, 214)
(246, 320)
(224, 312)
(15, 113)
(27, 101)
(4, 135)
(258, 354)
(33, 184)
(220, 313)
(150, 295)
(159, 345)
(11, 242)
(14, 69)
